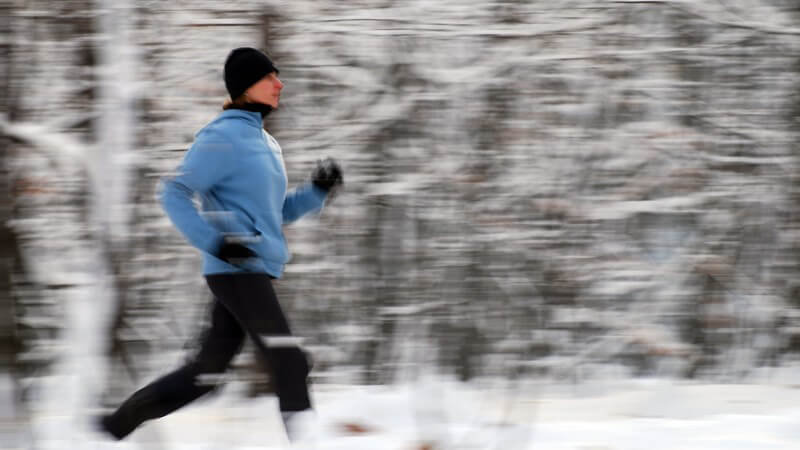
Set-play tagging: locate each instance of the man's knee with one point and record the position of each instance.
(210, 372)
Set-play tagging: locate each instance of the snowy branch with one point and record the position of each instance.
(686, 6)
(63, 150)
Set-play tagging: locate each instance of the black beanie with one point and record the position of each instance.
(244, 67)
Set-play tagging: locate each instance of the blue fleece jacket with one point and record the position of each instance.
(236, 169)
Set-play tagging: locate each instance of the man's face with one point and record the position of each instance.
(267, 90)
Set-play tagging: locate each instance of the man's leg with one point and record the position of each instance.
(252, 300)
(219, 344)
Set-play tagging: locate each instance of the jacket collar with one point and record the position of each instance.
(250, 117)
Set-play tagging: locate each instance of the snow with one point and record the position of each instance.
(651, 414)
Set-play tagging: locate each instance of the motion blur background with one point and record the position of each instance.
(571, 190)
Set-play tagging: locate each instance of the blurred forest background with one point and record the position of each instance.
(562, 190)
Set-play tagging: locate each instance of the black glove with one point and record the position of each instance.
(233, 253)
(327, 175)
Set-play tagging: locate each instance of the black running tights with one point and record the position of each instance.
(244, 305)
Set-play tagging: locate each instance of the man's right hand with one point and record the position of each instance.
(234, 253)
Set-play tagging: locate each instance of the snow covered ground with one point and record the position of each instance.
(640, 414)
